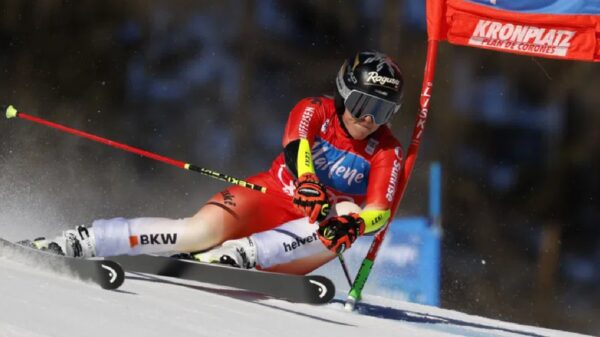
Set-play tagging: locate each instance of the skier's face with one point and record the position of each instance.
(359, 128)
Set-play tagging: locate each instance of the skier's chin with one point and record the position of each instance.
(360, 132)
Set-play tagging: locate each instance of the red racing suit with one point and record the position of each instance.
(366, 172)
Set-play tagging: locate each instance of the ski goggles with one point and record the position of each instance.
(361, 104)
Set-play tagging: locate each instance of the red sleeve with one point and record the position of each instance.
(384, 178)
(304, 121)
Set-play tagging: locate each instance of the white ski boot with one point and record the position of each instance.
(240, 253)
(78, 242)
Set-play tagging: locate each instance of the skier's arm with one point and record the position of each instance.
(339, 233)
(298, 157)
(304, 122)
(382, 192)
(374, 219)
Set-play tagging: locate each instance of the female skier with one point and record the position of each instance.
(334, 149)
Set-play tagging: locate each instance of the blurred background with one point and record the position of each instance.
(212, 83)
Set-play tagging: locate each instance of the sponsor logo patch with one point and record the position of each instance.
(153, 239)
(371, 146)
(398, 152)
(341, 170)
(522, 38)
(391, 189)
(325, 126)
(374, 78)
(288, 247)
(228, 198)
(305, 121)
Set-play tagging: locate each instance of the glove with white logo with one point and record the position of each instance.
(339, 233)
(311, 197)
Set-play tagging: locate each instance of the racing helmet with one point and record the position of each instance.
(369, 84)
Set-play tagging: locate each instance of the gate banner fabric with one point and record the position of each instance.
(561, 29)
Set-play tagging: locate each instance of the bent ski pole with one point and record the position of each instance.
(11, 112)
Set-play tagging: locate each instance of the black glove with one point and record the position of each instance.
(311, 197)
(339, 233)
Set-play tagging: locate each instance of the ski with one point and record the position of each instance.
(108, 274)
(294, 288)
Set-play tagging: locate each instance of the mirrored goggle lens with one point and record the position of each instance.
(361, 104)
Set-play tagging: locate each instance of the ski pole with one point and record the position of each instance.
(345, 268)
(365, 269)
(11, 112)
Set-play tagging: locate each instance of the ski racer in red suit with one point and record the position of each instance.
(339, 149)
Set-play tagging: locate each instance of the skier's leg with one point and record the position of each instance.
(229, 214)
(307, 264)
(119, 236)
(210, 226)
(274, 249)
(293, 247)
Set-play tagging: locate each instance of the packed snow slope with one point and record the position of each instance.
(39, 303)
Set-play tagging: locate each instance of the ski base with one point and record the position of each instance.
(294, 288)
(108, 274)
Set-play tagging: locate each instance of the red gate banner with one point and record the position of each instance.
(562, 29)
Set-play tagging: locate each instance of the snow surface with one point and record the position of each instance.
(40, 303)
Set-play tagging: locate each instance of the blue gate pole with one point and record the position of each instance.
(435, 223)
(435, 194)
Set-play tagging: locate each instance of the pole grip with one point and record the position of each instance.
(11, 112)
